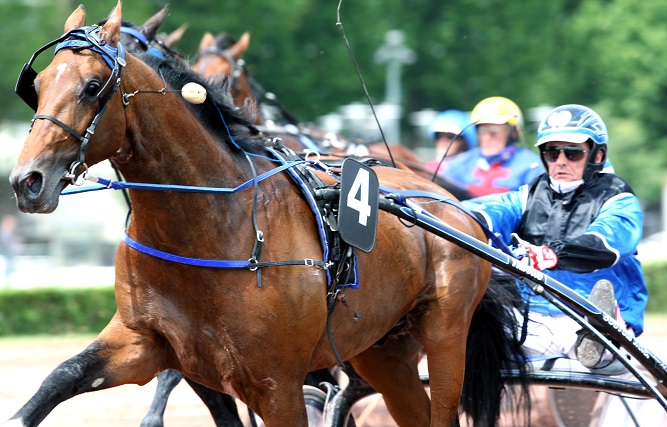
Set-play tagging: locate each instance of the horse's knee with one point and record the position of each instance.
(87, 371)
(169, 379)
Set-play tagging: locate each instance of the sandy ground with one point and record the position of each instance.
(25, 362)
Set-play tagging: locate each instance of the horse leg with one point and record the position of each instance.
(446, 366)
(222, 406)
(444, 333)
(392, 369)
(282, 406)
(166, 381)
(118, 356)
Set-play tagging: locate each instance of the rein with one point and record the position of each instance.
(105, 184)
(399, 196)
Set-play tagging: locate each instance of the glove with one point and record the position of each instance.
(538, 257)
(542, 257)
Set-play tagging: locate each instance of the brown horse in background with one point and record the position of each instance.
(252, 334)
(221, 56)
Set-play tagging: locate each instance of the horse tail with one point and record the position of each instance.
(493, 345)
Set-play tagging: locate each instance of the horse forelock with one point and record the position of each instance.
(239, 120)
(224, 41)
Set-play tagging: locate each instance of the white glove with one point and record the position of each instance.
(538, 257)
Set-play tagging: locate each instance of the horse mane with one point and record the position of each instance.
(217, 113)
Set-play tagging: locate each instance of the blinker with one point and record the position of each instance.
(25, 86)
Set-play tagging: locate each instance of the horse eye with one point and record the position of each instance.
(93, 88)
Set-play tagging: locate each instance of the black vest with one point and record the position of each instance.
(550, 216)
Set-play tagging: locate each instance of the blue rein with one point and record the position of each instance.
(105, 184)
(401, 196)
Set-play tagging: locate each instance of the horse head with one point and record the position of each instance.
(221, 56)
(69, 96)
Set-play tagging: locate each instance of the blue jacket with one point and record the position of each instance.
(594, 231)
(506, 171)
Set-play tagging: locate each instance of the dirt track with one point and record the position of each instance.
(24, 363)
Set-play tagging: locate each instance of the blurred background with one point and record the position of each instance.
(417, 58)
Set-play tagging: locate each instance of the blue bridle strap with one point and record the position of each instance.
(136, 34)
(89, 38)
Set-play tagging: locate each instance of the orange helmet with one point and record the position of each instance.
(498, 110)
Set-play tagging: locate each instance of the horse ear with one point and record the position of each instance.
(76, 20)
(110, 32)
(175, 36)
(208, 41)
(150, 27)
(240, 46)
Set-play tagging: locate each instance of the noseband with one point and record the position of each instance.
(78, 39)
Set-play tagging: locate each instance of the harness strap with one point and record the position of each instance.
(334, 248)
(136, 34)
(216, 263)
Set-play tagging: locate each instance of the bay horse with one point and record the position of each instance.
(139, 39)
(255, 329)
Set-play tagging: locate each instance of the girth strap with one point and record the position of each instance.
(216, 263)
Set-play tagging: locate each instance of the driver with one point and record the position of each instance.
(497, 164)
(580, 225)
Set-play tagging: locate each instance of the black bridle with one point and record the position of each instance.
(78, 39)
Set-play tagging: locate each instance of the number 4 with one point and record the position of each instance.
(360, 186)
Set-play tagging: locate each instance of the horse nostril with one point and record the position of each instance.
(33, 183)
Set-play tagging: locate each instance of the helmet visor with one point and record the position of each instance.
(577, 136)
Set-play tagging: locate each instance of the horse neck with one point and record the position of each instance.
(166, 144)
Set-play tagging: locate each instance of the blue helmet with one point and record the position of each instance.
(577, 124)
(455, 122)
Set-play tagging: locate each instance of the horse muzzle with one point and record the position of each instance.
(35, 192)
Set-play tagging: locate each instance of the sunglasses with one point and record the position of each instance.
(573, 154)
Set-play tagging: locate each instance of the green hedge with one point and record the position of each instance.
(656, 279)
(55, 310)
(88, 310)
